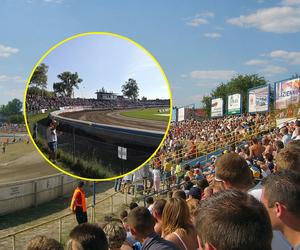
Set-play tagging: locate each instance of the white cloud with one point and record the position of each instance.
(283, 19)
(11, 87)
(292, 57)
(199, 19)
(255, 62)
(8, 79)
(6, 51)
(213, 35)
(212, 74)
(270, 70)
(290, 2)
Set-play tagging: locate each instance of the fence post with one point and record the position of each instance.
(35, 193)
(62, 185)
(111, 204)
(94, 202)
(13, 241)
(59, 230)
(74, 145)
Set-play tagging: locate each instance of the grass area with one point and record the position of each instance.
(147, 114)
(15, 151)
(32, 119)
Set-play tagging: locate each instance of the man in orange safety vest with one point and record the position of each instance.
(78, 204)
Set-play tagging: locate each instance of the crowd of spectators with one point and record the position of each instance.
(12, 128)
(246, 198)
(190, 138)
(37, 103)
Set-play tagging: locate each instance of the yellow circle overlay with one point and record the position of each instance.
(107, 34)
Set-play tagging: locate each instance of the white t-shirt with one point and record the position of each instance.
(256, 191)
(51, 135)
(156, 174)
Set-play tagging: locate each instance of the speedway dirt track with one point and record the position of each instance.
(115, 118)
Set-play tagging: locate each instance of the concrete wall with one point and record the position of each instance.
(135, 136)
(30, 193)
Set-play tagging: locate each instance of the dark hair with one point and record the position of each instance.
(133, 205)
(233, 168)
(80, 184)
(141, 220)
(232, 219)
(202, 184)
(149, 200)
(89, 237)
(254, 140)
(293, 144)
(159, 206)
(269, 157)
(279, 144)
(41, 242)
(284, 130)
(288, 158)
(179, 194)
(123, 214)
(283, 187)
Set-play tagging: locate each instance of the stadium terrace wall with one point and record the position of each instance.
(30, 193)
(135, 136)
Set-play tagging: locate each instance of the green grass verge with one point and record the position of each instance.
(147, 114)
(32, 119)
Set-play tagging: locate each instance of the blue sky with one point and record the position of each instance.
(198, 43)
(104, 60)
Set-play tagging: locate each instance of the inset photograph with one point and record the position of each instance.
(97, 105)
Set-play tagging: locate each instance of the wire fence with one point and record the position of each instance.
(99, 154)
(60, 227)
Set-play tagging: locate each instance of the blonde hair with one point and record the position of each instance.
(176, 215)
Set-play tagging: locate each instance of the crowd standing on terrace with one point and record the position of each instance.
(36, 103)
(246, 198)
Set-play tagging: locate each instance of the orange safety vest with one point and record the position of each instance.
(78, 200)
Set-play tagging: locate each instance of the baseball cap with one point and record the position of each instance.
(195, 192)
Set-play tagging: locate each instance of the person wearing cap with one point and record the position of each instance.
(194, 193)
(78, 204)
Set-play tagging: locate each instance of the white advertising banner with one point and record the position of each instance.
(258, 99)
(217, 107)
(181, 114)
(234, 104)
(287, 92)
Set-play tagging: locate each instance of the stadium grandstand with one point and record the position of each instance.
(222, 179)
(38, 104)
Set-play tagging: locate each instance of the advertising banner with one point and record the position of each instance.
(217, 107)
(287, 92)
(258, 99)
(181, 114)
(234, 104)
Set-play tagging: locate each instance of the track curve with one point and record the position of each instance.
(115, 118)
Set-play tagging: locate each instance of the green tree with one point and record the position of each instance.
(39, 77)
(11, 108)
(130, 89)
(68, 82)
(239, 84)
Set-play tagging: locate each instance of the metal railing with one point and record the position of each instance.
(63, 227)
